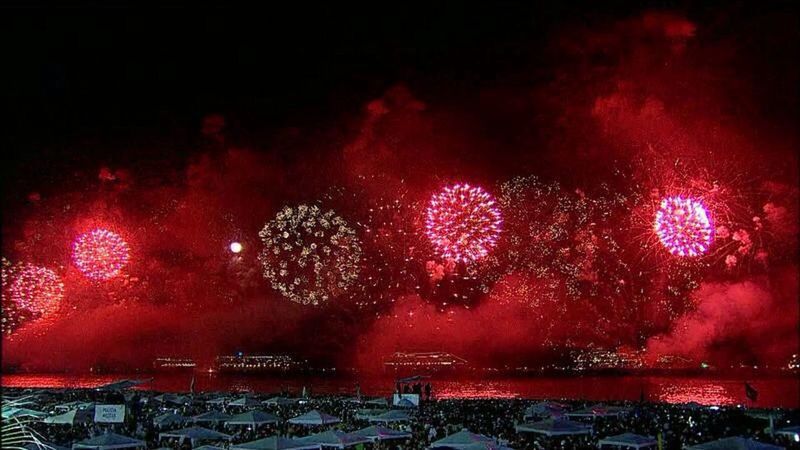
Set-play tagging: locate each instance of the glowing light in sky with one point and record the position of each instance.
(463, 222)
(683, 226)
(100, 254)
(36, 289)
(236, 247)
(309, 255)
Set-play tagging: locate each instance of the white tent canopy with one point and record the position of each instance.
(599, 410)
(173, 398)
(245, 400)
(168, 419)
(734, 443)
(554, 427)
(109, 441)
(391, 416)
(543, 409)
(334, 438)
(280, 401)
(212, 417)
(195, 435)
(274, 443)
(74, 405)
(9, 412)
(122, 384)
(629, 440)
(72, 417)
(462, 440)
(380, 401)
(314, 417)
(379, 433)
(43, 445)
(253, 418)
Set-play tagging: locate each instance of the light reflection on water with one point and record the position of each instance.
(783, 391)
(702, 393)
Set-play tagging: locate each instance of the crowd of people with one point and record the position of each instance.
(676, 426)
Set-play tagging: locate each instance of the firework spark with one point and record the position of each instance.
(100, 254)
(683, 226)
(36, 289)
(309, 256)
(463, 223)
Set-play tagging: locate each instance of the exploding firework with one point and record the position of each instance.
(309, 256)
(100, 254)
(35, 289)
(683, 226)
(12, 316)
(463, 223)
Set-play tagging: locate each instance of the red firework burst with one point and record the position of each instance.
(36, 289)
(683, 226)
(100, 254)
(463, 222)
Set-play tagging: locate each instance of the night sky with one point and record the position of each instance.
(181, 130)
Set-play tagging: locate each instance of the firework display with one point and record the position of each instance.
(36, 289)
(100, 254)
(309, 255)
(11, 315)
(683, 226)
(463, 223)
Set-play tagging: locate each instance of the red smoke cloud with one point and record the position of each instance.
(754, 320)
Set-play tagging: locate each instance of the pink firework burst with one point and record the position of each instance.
(683, 226)
(100, 254)
(36, 289)
(463, 222)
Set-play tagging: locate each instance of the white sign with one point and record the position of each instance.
(109, 413)
(413, 398)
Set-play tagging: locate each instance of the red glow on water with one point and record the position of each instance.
(463, 222)
(100, 254)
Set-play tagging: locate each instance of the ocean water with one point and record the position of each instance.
(776, 391)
